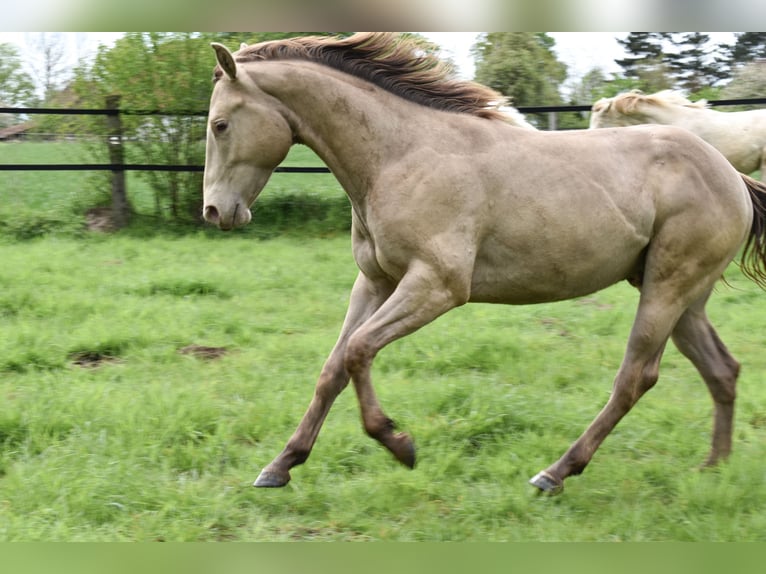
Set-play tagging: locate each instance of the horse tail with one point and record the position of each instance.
(753, 261)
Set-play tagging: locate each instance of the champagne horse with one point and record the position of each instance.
(452, 203)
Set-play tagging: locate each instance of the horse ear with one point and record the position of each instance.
(602, 105)
(242, 46)
(225, 60)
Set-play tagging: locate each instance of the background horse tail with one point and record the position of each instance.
(753, 262)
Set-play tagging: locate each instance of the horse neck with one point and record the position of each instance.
(350, 124)
(673, 115)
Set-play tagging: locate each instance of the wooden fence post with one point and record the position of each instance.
(120, 205)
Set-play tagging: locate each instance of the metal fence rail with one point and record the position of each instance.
(122, 167)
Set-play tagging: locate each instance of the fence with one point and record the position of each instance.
(113, 113)
(118, 167)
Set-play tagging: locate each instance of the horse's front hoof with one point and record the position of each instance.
(271, 479)
(403, 449)
(547, 483)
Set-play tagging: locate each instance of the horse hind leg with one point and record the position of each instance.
(638, 373)
(697, 340)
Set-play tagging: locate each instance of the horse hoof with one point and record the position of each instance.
(271, 479)
(404, 450)
(547, 483)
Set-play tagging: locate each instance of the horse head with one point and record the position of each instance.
(248, 136)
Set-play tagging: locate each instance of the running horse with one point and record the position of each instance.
(739, 136)
(452, 203)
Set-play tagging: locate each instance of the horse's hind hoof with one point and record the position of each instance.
(547, 483)
(271, 479)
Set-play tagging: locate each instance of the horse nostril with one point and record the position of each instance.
(211, 214)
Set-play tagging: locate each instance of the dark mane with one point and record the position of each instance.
(391, 61)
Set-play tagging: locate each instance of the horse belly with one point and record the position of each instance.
(512, 276)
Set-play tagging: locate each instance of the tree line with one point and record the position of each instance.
(172, 72)
(524, 67)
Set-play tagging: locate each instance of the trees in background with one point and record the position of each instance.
(154, 71)
(522, 66)
(172, 72)
(687, 61)
(747, 61)
(749, 46)
(16, 88)
(169, 72)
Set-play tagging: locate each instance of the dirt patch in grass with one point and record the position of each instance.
(91, 359)
(204, 352)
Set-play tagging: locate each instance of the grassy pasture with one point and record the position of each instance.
(108, 432)
(152, 444)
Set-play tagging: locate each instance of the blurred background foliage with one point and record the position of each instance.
(171, 72)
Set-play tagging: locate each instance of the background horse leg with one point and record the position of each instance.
(365, 298)
(697, 340)
(420, 298)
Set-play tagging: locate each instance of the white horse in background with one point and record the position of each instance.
(739, 136)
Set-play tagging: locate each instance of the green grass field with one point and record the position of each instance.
(109, 432)
(152, 444)
(38, 203)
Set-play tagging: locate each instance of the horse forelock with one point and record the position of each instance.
(391, 61)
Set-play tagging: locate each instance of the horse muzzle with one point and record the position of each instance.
(227, 219)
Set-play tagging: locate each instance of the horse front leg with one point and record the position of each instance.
(421, 296)
(366, 297)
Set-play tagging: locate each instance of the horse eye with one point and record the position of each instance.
(220, 126)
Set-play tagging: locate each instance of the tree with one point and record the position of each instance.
(16, 89)
(520, 65)
(169, 72)
(663, 60)
(51, 65)
(644, 50)
(587, 90)
(154, 71)
(749, 82)
(747, 47)
(645, 67)
(693, 66)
